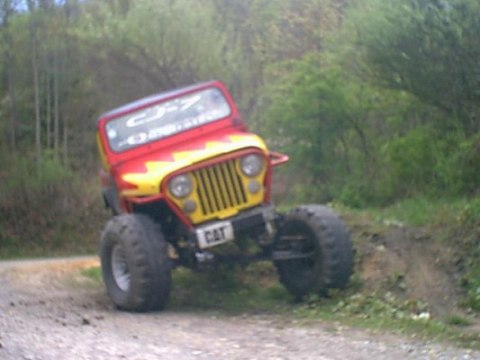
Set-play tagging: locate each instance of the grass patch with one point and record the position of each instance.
(385, 313)
(93, 273)
(418, 211)
(421, 211)
(471, 283)
(18, 252)
(458, 320)
(230, 290)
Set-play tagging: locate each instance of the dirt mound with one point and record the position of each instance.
(408, 263)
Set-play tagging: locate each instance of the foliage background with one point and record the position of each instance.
(376, 101)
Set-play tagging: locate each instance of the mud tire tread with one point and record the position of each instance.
(147, 256)
(333, 255)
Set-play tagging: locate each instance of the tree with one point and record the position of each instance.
(308, 117)
(388, 108)
(156, 44)
(7, 10)
(35, 80)
(263, 33)
(427, 48)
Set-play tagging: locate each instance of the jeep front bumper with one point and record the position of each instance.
(257, 221)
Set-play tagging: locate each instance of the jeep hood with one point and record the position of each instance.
(143, 176)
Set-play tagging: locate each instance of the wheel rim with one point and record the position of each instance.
(120, 270)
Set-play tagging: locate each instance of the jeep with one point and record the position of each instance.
(189, 185)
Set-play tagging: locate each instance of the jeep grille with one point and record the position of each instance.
(219, 188)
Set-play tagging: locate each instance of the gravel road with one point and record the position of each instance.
(49, 312)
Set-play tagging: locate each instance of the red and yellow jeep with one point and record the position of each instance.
(188, 185)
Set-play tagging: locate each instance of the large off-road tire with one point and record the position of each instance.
(135, 265)
(315, 232)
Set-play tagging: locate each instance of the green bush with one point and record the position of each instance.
(47, 209)
(409, 162)
(470, 224)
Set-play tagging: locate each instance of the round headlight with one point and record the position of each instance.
(181, 186)
(251, 165)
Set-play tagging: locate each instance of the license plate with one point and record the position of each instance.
(215, 234)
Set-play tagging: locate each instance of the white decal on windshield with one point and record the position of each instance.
(146, 116)
(137, 139)
(161, 131)
(191, 101)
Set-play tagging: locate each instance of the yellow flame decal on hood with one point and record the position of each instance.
(148, 182)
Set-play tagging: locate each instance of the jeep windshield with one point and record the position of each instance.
(166, 119)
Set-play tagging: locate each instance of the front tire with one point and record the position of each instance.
(135, 265)
(323, 244)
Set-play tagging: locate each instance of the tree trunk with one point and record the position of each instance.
(48, 113)
(65, 143)
(56, 110)
(12, 104)
(9, 75)
(33, 38)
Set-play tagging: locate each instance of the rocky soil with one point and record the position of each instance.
(48, 311)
